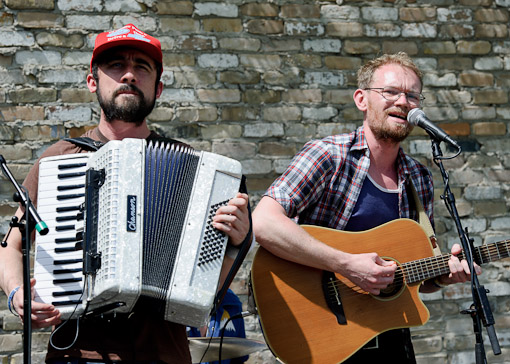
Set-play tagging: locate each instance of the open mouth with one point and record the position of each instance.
(399, 116)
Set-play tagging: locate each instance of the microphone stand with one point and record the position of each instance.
(480, 310)
(25, 226)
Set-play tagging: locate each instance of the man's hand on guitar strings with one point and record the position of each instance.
(233, 219)
(370, 272)
(459, 269)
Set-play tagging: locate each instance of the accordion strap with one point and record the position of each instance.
(86, 143)
(243, 251)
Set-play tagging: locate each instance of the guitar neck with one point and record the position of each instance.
(423, 269)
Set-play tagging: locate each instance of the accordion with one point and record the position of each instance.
(133, 220)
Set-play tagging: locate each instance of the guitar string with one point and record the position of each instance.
(490, 252)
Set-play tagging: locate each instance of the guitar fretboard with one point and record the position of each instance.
(423, 269)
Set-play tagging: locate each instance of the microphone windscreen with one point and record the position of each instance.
(414, 115)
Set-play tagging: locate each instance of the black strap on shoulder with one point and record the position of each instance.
(86, 143)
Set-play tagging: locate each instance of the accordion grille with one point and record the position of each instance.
(169, 179)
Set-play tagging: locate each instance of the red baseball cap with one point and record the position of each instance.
(129, 36)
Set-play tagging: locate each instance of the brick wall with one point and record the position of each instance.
(254, 81)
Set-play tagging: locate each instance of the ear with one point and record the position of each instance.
(360, 99)
(159, 89)
(91, 83)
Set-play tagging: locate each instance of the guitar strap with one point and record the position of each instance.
(424, 221)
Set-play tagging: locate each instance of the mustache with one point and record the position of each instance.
(130, 88)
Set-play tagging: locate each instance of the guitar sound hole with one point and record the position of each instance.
(395, 287)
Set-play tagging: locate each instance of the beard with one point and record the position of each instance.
(130, 112)
(384, 131)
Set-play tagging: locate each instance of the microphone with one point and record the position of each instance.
(19, 196)
(417, 117)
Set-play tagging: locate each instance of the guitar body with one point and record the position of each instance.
(299, 326)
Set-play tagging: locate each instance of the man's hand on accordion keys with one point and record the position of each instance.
(233, 219)
(43, 314)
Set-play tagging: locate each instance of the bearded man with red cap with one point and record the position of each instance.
(126, 68)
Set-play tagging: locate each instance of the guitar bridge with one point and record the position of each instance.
(332, 296)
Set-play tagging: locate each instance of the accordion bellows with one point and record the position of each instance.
(131, 221)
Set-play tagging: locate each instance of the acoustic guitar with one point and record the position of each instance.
(313, 316)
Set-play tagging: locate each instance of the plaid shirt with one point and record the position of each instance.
(323, 181)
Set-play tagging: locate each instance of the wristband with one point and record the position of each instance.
(9, 301)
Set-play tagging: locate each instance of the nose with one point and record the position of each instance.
(402, 99)
(128, 75)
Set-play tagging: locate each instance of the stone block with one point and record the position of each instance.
(475, 78)
(223, 131)
(259, 61)
(422, 30)
(491, 30)
(240, 44)
(178, 60)
(195, 78)
(217, 25)
(338, 96)
(195, 114)
(22, 113)
(30, 4)
(379, 14)
(344, 30)
(16, 39)
(240, 77)
(296, 28)
(454, 15)
(342, 63)
(217, 60)
(345, 12)
(256, 166)
(76, 95)
(323, 113)
(49, 58)
(456, 31)
(490, 96)
(264, 26)
(33, 95)
(80, 5)
(322, 45)
(300, 11)
(170, 7)
(216, 9)
(302, 96)
(415, 15)
(389, 30)
(179, 25)
(46, 39)
(324, 79)
(259, 9)
(239, 113)
(219, 95)
(196, 43)
(281, 45)
(40, 20)
(237, 150)
(281, 113)
(261, 96)
(93, 22)
(361, 47)
(473, 47)
(277, 149)
(303, 60)
(432, 48)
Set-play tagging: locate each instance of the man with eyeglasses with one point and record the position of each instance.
(356, 182)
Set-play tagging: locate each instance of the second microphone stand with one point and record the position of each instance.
(26, 224)
(480, 310)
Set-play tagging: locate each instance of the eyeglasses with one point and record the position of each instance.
(393, 94)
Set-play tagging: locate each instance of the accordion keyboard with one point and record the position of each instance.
(59, 254)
